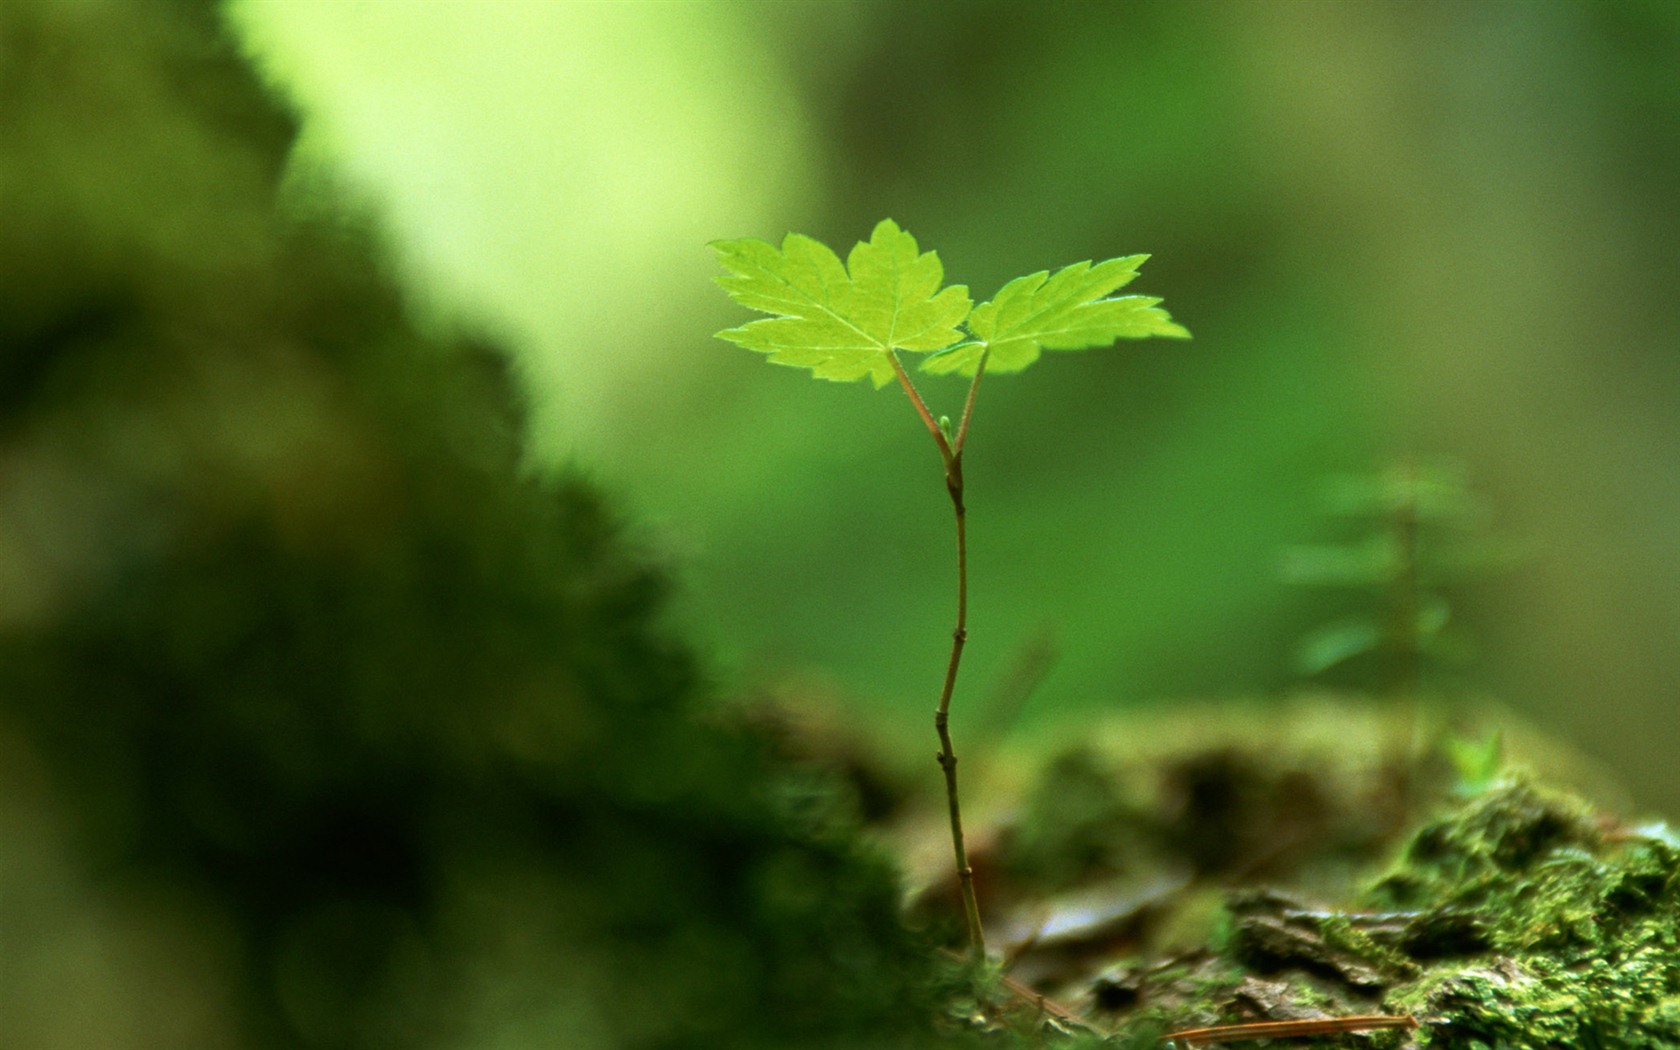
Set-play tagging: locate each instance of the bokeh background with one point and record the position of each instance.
(1432, 229)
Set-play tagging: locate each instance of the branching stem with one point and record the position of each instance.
(946, 453)
(968, 404)
(950, 452)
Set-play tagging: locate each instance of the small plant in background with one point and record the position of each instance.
(1477, 762)
(1422, 531)
(847, 321)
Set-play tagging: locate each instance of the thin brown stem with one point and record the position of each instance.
(959, 639)
(1405, 629)
(1405, 635)
(1038, 1000)
(942, 718)
(950, 453)
(1230, 1033)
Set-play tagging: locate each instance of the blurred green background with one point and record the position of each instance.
(1395, 228)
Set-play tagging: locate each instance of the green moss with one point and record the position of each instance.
(1579, 917)
(1521, 917)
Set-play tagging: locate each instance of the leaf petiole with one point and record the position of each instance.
(946, 453)
(968, 404)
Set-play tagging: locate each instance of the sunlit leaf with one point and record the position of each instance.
(1068, 311)
(842, 321)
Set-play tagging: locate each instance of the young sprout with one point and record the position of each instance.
(1422, 531)
(852, 320)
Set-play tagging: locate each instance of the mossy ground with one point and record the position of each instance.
(1508, 913)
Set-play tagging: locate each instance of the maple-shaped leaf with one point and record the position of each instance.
(1070, 311)
(843, 322)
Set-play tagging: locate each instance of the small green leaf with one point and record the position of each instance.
(1436, 493)
(1372, 562)
(1067, 311)
(1334, 643)
(1432, 617)
(1436, 636)
(1476, 763)
(843, 322)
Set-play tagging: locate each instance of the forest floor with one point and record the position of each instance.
(1329, 869)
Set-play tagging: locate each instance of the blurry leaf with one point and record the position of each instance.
(1476, 763)
(843, 322)
(1333, 643)
(1436, 639)
(1432, 617)
(1371, 563)
(1437, 493)
(1064, 312)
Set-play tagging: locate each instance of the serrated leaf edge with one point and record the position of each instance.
(1033, 284)
(810, 246)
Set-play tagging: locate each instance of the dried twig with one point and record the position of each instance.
(1231, 1033)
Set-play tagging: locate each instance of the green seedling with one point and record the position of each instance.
(1423, 532)
(1477, 763)
(855, 320)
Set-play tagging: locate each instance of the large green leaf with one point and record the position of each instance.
(843, 322)
(1069, 311)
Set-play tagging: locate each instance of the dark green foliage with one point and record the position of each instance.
(293, 640)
